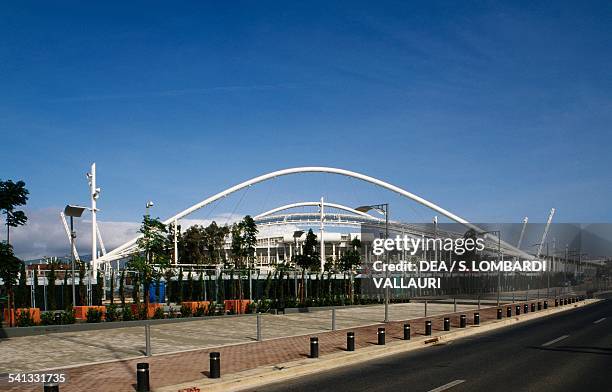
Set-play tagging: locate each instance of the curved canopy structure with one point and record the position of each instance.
(314, 204)
(126, 248)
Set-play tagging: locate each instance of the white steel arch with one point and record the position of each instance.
(316, 204)
(120, 250)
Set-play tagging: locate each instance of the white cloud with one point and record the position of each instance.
(44, 233)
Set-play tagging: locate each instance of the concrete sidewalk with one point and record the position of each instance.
(32, 353)
(172, 369)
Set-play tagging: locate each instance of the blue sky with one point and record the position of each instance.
(493, 110)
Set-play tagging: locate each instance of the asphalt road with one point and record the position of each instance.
(571, 351)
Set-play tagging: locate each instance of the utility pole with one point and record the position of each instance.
(94, 194)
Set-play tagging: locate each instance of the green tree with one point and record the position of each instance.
(112, 287)
(214, 240)
(349, 261)
(153, 245)
(180, 286)
(309, 259)
(21, 295)
(193, 245)
(13, 194)
(122, 288)
(201, 286)
(37, 290)
(9, 270)
(66, 292)
(189, 286)
(82, 291)
(51, 286)
(99, 288)
(168, 276)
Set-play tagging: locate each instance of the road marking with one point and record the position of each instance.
(555, 340)
(447, 386)
(599, 321)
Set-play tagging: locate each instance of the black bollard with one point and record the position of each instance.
(539, 305)
(381, 336)
(509, 311)
(215, 365)
(545, 304)
(350, 341)
(533, 308)
(517, 311)
(462, 321)
(446, 324)
(406, 331)
(556, 303)
(476, 318)
(142, 377)
(499, 314)
(428, 327)
(564, 301)
(51, 387)
(526, 308)
(314, 347)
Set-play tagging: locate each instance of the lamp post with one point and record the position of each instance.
(149, 205)
(73, 212)
(382, 209)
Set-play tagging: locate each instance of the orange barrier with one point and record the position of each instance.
(150, 310)
(80, 312)
(239, 306)
(193, 305)
(34, 313)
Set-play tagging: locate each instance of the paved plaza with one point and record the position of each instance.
(32, 353)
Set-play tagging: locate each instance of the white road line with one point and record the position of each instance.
(599, 321)
(447, 386)
(555, 340)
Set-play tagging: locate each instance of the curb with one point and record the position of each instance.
(294, 369)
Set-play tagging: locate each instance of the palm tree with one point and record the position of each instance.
(13, 194)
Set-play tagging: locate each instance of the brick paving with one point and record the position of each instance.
(53, 350)
(178, 368)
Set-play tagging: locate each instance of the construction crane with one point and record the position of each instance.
(520, 241)
(550, 216)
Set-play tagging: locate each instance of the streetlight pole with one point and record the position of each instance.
(72, 240)
(73, 211)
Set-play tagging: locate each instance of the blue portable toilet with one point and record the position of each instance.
(162, 293)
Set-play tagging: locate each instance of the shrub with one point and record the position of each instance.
(264, 305)
(200, 311)
(68, 317)
(211, 308)
(159, 314)
(47, 318)
(142, 312)
(127, 314)
(94, 316)
(251, 307)
(112, 314)
(24, 319)
(185, 311)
